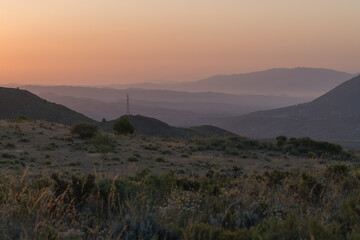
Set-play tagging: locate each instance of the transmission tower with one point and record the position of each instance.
(127, 105)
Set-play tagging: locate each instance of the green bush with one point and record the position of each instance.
(123, 126)
(202, 231)
(77, 191)
(22, 118)
(118, 189)
(133, 159)
(281, 140)
(84, 130)
(103, 143)
(160, 159)
(337, 170)
(308, 147)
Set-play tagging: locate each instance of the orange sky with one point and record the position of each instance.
(86, 42)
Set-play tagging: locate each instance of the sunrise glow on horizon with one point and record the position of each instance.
(89, 42)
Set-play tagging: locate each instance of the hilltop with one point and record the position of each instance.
(153, 127)
(16, 102)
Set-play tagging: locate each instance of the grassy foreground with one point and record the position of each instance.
(322, 204)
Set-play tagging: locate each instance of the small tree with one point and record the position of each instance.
(85, 130)
(22, 118)
(281, 140)
(103, 143)
(123, 126)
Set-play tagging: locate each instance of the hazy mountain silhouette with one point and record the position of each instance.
(300, 82)
(166, 96)
(98, 110)
(182, 109)
(15, 102)
(174, 107)
(334, 115)
(153, 127)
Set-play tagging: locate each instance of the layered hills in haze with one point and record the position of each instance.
(333, 116)
(205, 100)
(299, 82)
(175, 108)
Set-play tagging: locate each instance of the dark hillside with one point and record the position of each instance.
(15, 102)
(333, 116)
(153, 127)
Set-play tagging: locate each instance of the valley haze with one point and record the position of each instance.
(189, 108)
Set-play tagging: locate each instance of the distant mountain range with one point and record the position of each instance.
(299, 82)
(333, 116)
(204, 100)
(175, 108)
(15, 102)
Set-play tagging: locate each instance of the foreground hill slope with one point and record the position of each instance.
(15, 102)
(153, 127)
(136, 186)
(335, 115)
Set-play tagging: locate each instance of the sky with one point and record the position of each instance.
(95, 42)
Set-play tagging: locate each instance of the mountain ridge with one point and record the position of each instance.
(300, 81)
(334, 115)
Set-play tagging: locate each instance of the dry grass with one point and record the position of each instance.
(190, 193)
(48, 147)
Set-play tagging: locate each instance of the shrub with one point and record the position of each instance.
(133, 159)
(202, 231)
(22, 118)
(8, 155)
(76, 191)
(281, 140)
(310, 189)
(116, 190)
(276, 177)
(159, 159)
(103, 143)
(306, 145)
(85, 130)
(142, 228)
(350, 216)
(10, 145)
(337, 170)
(123, 126)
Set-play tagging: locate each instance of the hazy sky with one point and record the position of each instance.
(123, 41)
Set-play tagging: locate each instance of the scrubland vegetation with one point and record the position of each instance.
(55, 184)
(277, 204)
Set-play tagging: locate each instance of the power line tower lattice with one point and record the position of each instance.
(127, 105)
